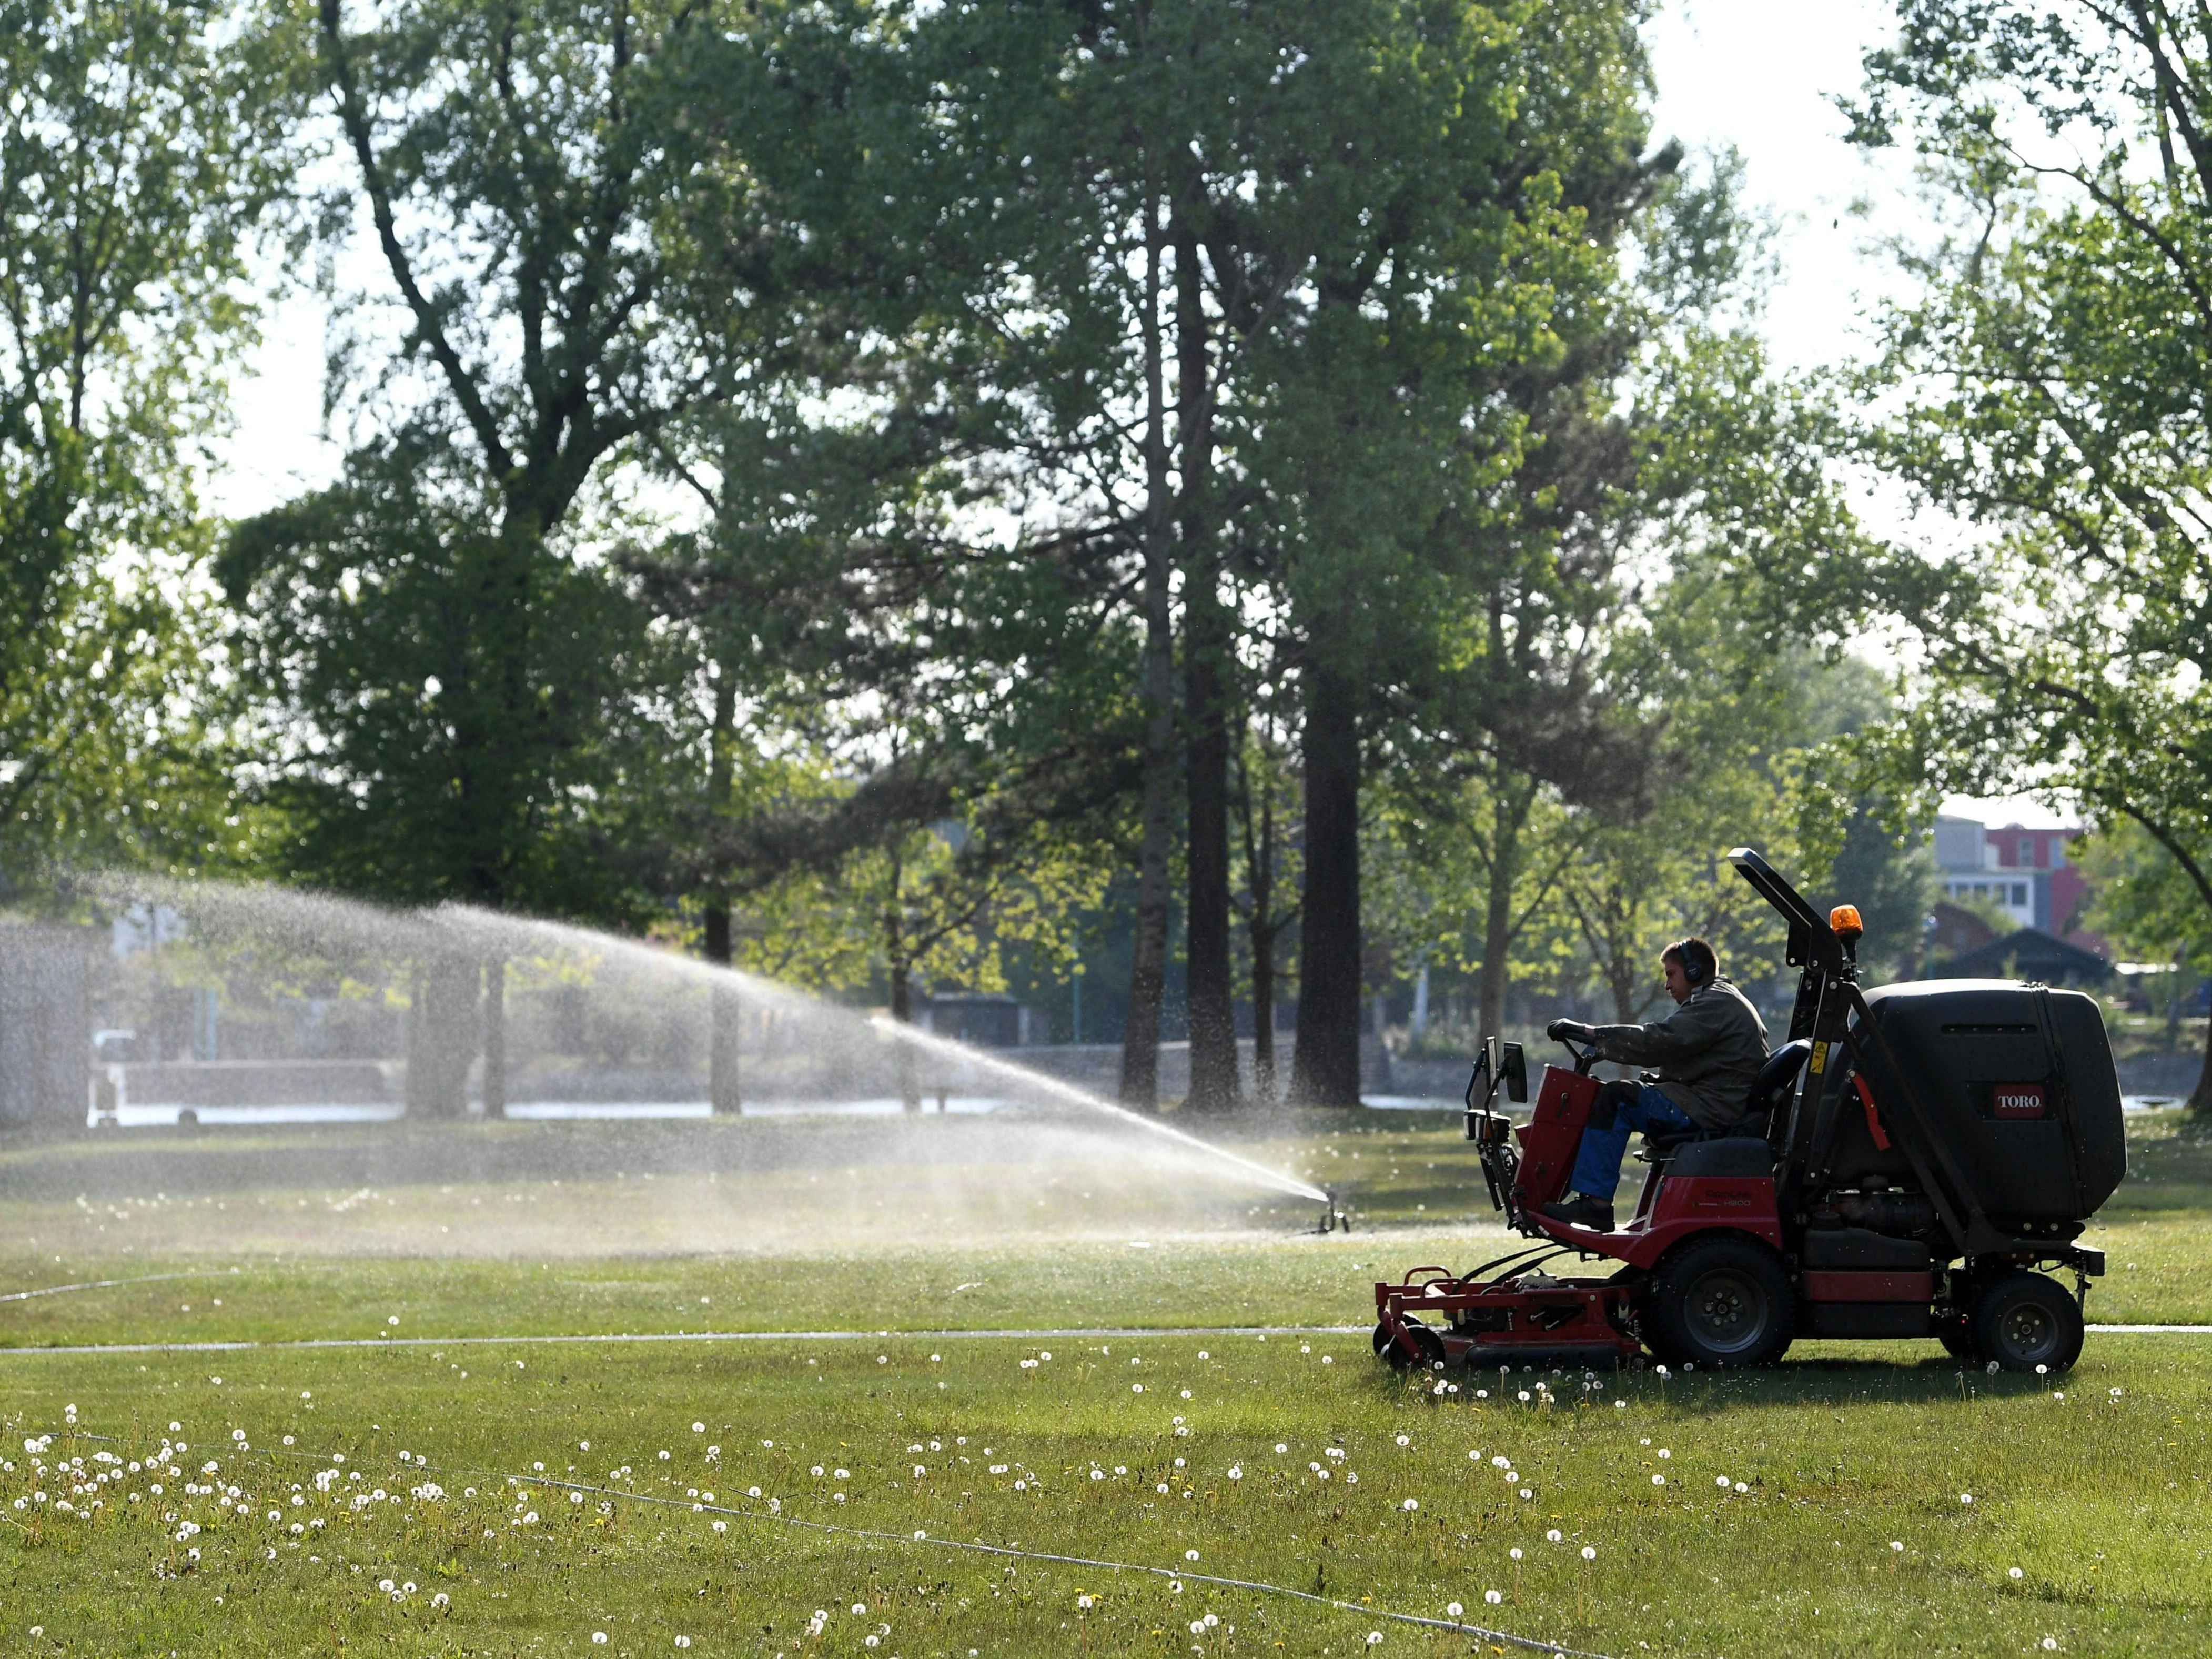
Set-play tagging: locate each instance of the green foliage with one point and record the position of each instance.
(449, 716)
(129, 176)
(2048, 384)
(2144, 900)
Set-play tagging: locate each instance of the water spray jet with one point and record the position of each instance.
(593, 1026)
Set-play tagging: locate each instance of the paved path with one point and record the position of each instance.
(1058, 1334)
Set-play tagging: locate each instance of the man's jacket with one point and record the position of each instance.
(1708, 1052)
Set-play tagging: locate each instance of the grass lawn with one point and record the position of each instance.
(2094, 1490)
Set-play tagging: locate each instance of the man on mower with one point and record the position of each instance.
(1708, 1052)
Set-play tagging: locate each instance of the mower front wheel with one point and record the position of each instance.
(1956, 1334)
(1428, 1342)
(1720, 1300)
(2026, 1321)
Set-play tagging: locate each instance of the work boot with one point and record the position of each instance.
(1582, 1211)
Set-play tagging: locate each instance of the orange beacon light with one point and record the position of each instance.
(1845, 920)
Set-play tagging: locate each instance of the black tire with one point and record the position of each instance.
(1957, 1337)
(2023, 1320)
(1428, 1342)
(1721, 1300)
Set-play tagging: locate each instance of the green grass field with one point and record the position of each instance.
(537, 1495)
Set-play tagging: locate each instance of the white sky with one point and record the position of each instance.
(1748, 73)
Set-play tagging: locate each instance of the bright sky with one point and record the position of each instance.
(1747, 73)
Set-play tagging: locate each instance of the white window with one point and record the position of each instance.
(2020, 893)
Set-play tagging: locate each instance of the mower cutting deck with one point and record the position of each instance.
(1908, 1159)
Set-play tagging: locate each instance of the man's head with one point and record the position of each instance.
(1688, 963)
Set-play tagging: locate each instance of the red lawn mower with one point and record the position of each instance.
(1910, 1158)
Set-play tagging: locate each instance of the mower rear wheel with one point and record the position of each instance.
(2026, 1321)
(1720, 1300)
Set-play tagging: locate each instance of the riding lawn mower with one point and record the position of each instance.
(1909, 1160)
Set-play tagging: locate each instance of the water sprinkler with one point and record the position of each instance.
(1332, 1219)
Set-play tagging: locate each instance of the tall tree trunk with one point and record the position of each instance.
(1325, 1063)
(723, 1093)
(442, 1035)
(1255, 811)
(494, 1036)
(1260, 870)
(1148, 956)
(1263, 1015)
(2200, 1100)
(1505, 822)
(1208, 668)
(902, 972)
(2173, 1004)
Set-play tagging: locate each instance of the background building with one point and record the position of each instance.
(2029, 874)
(2012, 904)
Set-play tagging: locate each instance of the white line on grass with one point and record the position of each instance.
(1058, 1334)
(108, 1284)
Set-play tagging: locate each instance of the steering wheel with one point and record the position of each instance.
(1584, 1058)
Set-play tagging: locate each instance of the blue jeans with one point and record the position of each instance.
(1597, 1165)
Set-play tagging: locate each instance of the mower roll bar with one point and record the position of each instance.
(1813, 943)
(1832, 1011)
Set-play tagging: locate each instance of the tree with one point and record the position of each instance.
(1470, 251)
(440, 725)
(131, 180)
(2051, 384)
(1484, 684)
(577, 254)
(1265, 801)
(2145, 903)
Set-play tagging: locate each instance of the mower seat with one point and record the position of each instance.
(1764, 1108)
(1766, 1112)
(1662, 1140)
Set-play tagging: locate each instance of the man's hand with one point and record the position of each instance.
(1561, 1029)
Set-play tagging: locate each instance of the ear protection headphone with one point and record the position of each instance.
(1697, 967)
